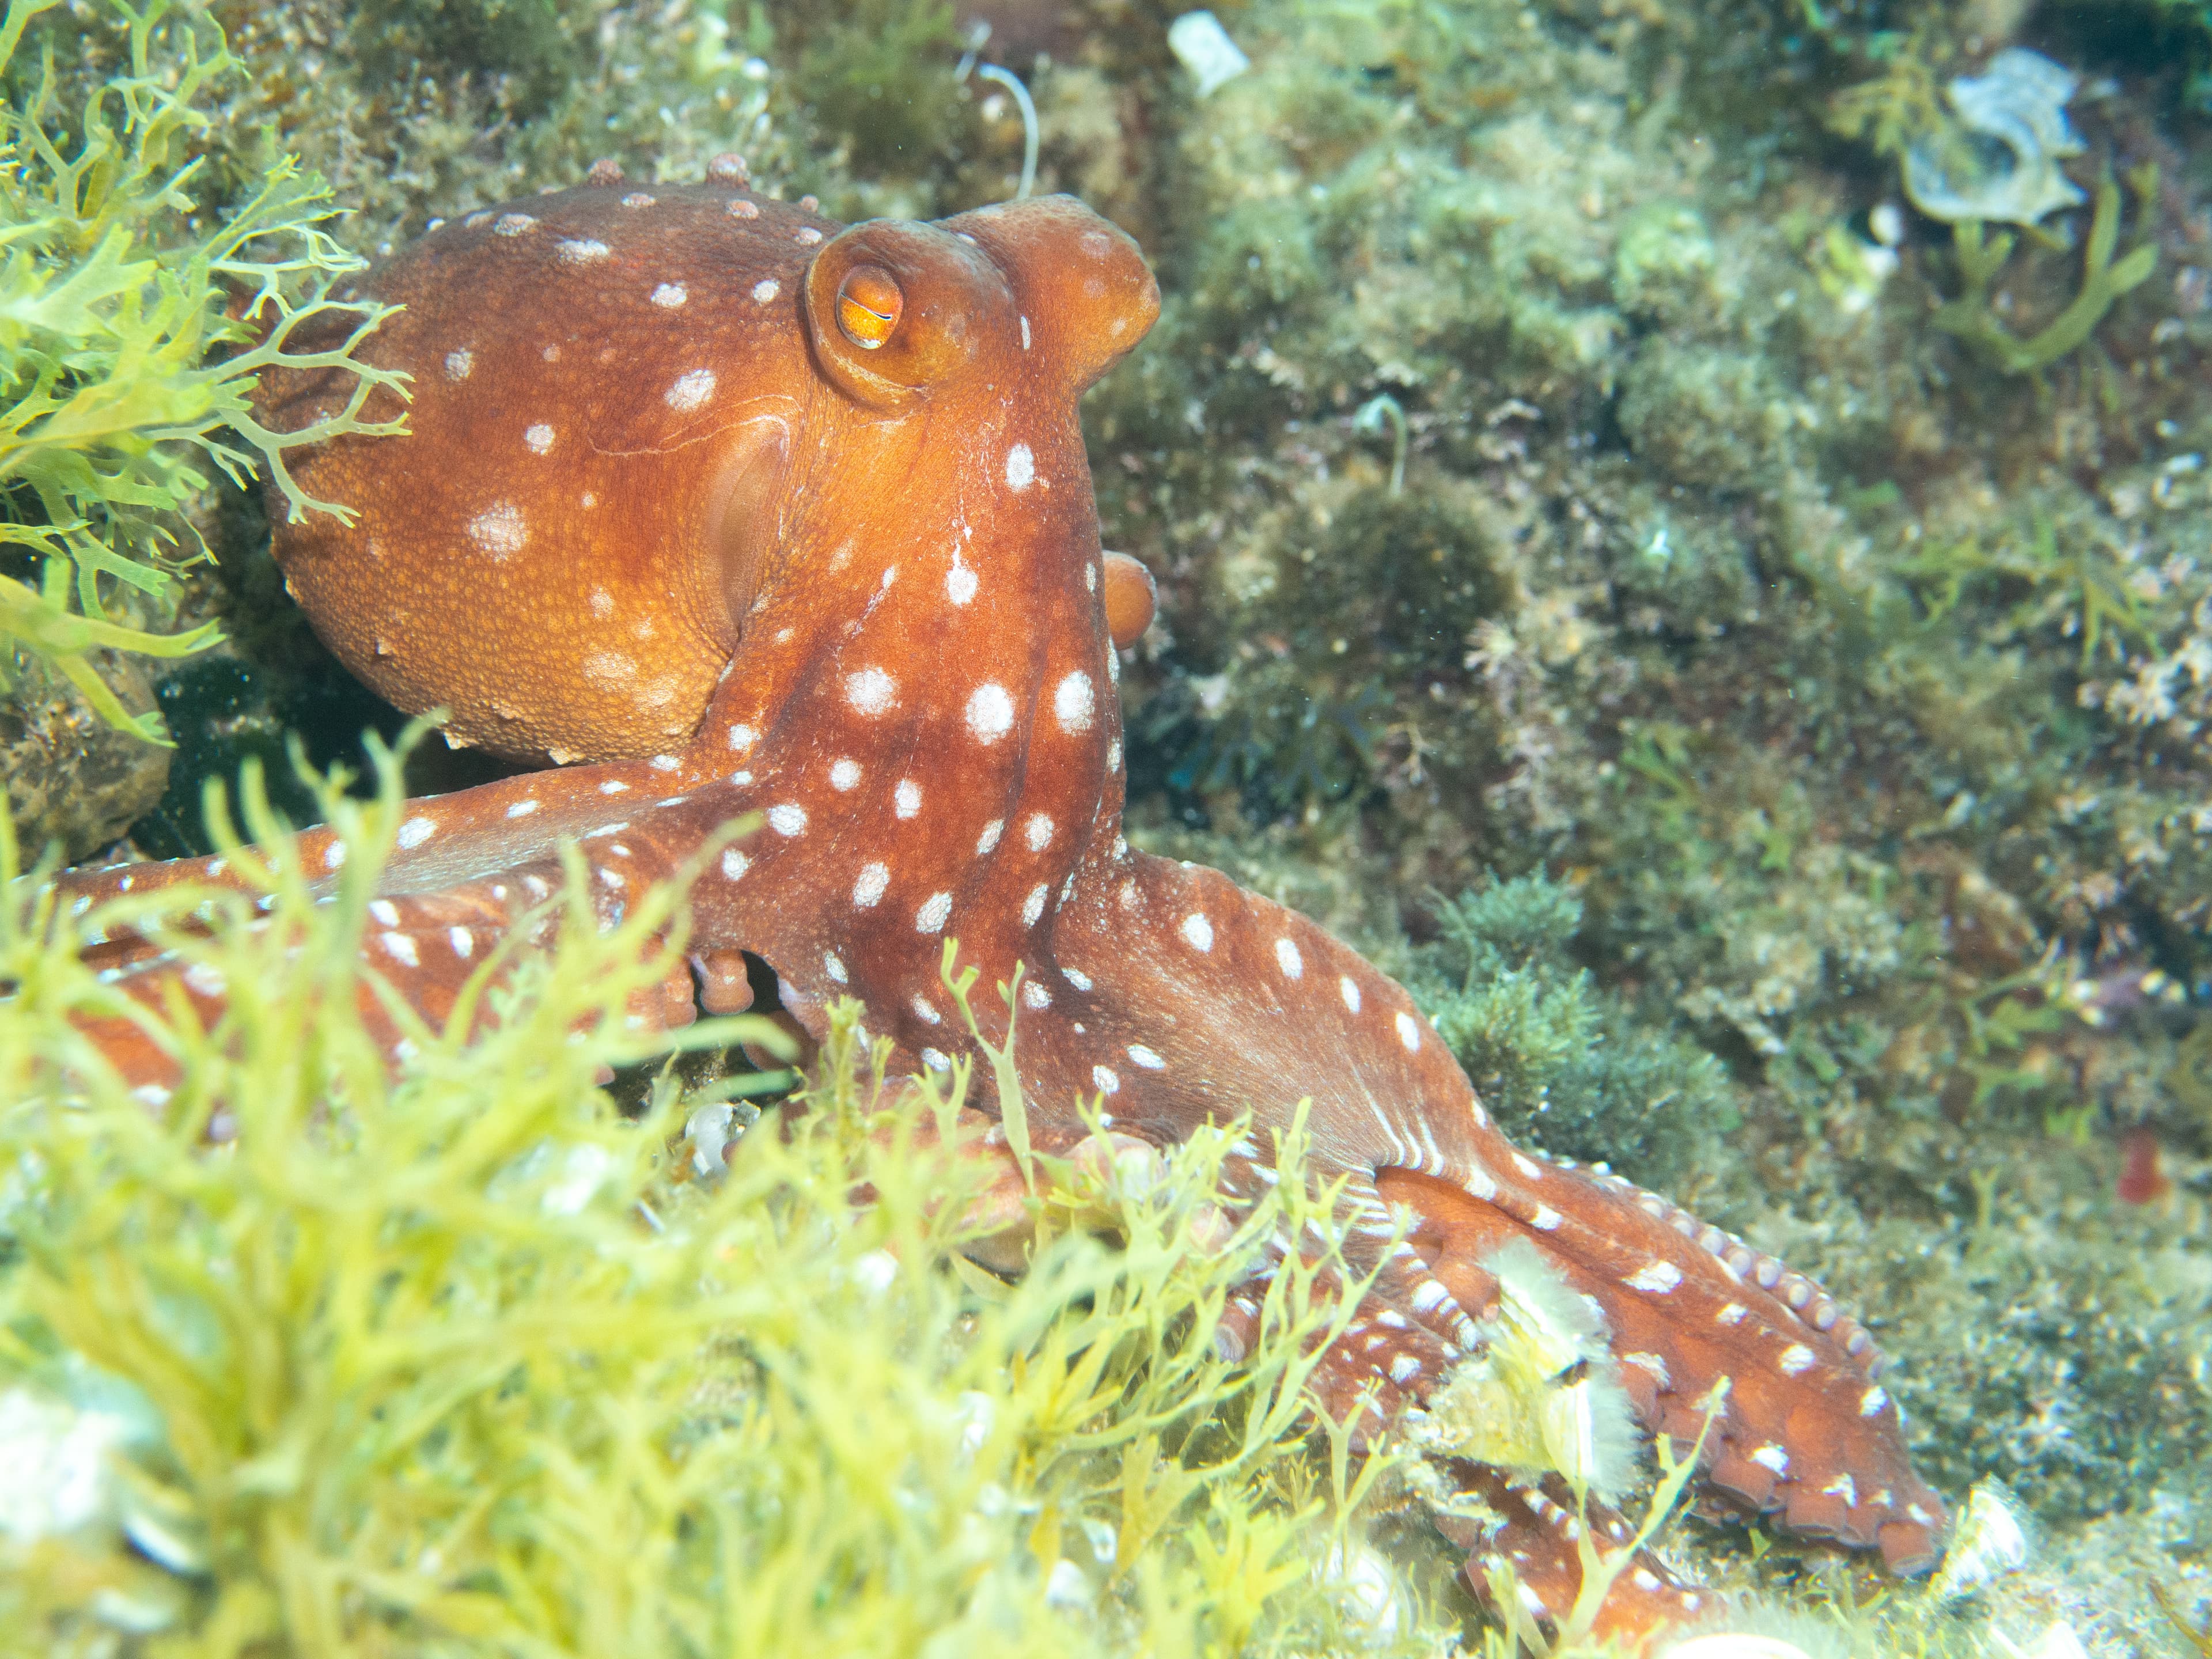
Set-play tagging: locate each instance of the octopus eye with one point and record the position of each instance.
(868, 306)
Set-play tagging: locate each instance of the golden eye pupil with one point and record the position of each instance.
(868, 306)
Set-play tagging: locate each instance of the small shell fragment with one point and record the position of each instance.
(1203, 47)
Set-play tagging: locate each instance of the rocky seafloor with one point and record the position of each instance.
(1682, 539)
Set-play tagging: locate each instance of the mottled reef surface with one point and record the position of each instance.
(1738, 643)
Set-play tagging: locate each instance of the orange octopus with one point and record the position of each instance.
(734, 509)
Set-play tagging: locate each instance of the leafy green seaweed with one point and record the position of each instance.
(461, 1359)
(133, 327)
(2103, 281)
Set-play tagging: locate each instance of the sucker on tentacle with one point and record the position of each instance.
(748, 514)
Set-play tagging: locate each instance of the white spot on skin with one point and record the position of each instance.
(413, 833)
(741, 737)
(670, 295)
(1114, 756)
(1288, 959)
(580, 251)
(766, 290)
(663, 762)
(1409, 1033)
(735, 863)
(608, 668)
(844, 774)
(384, 913)
(1198, 931)
(807, 236)
(499, 529)
(1145, 1058)
(868, 886)
(923, 1011)
(207, 979)
(602, 603)
(1404, 1368)
(1025, 333)
(511, 224)
(1655, 1276)
(1545, 1221)
(538, 438)
(463, 941)
(1845, 1487)
(788, 818)
(935, 910)
(458, 364)
(400, 948)
(1528, 1167)
(1037, 831)
(1731, 1314)
(1428, 1296)
(1652, 1365)
(905, 799)
(1351, 991)
(1080, 979)
(990, 711)
(833, 965)
(1071, 703)
(1103, 1076)
(1871, 1401)
(959, 582)
(989, 838)
(1770, 1456)
(334, 856)
(1795, 1358)
(1035, 995)
(870, 691)
(691, 390)
(1021, 467)
(1033, 905)
(935, 1061)
(614, 786)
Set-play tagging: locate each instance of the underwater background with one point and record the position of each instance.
(1683, 533)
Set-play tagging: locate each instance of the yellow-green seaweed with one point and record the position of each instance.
(2103, 281)
(464, 1360)
(134, 323)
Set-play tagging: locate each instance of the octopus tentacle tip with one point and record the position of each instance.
(723, 484)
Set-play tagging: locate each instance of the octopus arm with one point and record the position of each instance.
(467, 870)
(1243, 1001)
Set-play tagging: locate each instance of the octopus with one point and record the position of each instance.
(728, 509)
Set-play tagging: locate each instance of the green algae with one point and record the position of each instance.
(462, 1359)
(126, 360)
(1557, 1061)
(2103, 281)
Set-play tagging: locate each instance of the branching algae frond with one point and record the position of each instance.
(130, 338)
(2103, 281)
(462, 1360)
